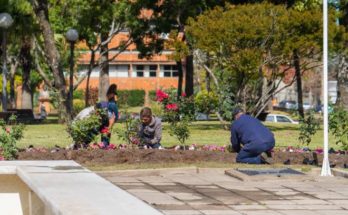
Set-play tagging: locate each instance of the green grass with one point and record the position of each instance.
(211, 132)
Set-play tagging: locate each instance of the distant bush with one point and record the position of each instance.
(152, 95)
(131, 98)
(78, 105)
(79, 94)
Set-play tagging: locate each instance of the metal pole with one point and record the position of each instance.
(4, 72)
(71, 87)
(325, 171)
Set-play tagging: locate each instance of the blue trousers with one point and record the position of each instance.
(250, 153)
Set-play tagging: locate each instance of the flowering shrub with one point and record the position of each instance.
(10, 133)
(178, 113)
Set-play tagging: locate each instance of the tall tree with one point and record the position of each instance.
(243, 39)
(52, 55)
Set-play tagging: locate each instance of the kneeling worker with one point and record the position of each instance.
(254, 137)
(150, 129)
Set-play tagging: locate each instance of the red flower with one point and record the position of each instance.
(104, 130)
(183, 94)
(173, 107)
(160, 95)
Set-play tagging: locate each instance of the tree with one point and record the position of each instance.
(247, 43)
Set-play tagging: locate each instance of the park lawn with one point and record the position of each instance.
(203, 132)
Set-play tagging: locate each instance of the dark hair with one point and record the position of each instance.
(112, 89)
(146, 111)
(236, 111)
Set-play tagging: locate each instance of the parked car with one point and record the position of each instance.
(279, 118)
(288, 104)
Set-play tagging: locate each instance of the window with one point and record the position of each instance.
(282, 119)
(152, 70)
(270, 119)
(169, 71)
(119, 71)
(140, 71)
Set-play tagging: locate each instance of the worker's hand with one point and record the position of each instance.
(135, 140)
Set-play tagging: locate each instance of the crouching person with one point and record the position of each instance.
(250, 138)
(149, 130)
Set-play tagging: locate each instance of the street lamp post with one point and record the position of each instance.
(5, 22)
(72, 36)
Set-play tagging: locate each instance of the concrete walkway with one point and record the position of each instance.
(193, 191)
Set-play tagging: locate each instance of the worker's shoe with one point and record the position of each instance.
(266, 158)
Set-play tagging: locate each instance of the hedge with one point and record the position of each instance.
(132, 98)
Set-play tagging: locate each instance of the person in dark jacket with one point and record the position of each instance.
(250, 138)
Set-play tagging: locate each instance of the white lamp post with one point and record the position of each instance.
(325, 171)
(72, 36)
(5, 22)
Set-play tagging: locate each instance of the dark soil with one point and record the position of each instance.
(134, 156)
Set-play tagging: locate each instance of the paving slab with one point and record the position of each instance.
(210, 191)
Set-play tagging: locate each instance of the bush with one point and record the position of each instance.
(79, 94)
(205, 101)
(338, 126)
(308, 127)
(152, 95)
(78, 105)
(9, 135)
(131, 98)
(85, 130)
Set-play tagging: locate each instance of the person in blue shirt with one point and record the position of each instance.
(112, 113)
(250, 138)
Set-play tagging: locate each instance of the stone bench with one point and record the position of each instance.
(64, 188)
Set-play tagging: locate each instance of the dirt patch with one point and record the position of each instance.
(134, 156)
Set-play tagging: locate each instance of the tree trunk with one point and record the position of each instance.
(342, 83)
(180, 78)
(104, 70)
(299, 83)
(13, 70)
(53, 57)
(25, 60)
(90, 69)
(189, 76)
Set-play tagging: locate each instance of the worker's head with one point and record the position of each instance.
(112, 91)
(236, 113)
(146, 115)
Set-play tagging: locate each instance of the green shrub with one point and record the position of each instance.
(79, 94)
(338, 126)
(85, 130)
(78, 105)
(152, 95)
(205, 101)
(10, 133)
(131, 98)
(308, 127)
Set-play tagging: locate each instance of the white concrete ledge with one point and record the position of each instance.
(67, 188)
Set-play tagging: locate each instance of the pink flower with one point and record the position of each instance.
(111, 147)
(8, 130)
(183, 94)
(101, 145)
(94, 146)
(160, 95)
(2, 158)
(173, 107)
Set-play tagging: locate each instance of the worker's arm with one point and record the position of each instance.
(235, 140)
